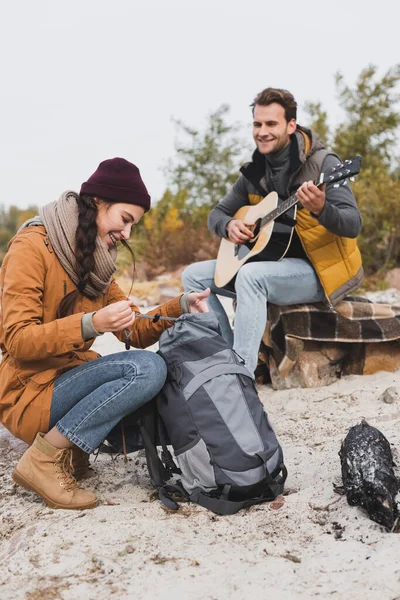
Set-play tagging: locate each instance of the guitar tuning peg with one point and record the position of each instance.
(336, 185)
(352, 178)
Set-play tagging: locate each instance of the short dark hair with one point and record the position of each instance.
(282, 97)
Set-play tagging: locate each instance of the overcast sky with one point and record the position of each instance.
(86, 80)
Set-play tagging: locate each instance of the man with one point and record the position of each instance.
(322, 263)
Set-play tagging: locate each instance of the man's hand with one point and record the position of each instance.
(114, 317)
(197, 301)
(312, 197)
(238, 231)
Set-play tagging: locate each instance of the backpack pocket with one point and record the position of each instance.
(195, 463)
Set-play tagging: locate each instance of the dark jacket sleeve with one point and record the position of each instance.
(340, 214)
(221, 214)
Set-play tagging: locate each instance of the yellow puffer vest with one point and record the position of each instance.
(336, 260)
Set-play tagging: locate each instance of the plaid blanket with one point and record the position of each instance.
(354, 320)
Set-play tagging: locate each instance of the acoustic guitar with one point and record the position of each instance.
(272, 238)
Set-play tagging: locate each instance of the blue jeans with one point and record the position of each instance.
(289, 281)
(89, 400)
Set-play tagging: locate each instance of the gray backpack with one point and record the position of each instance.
(226, 452)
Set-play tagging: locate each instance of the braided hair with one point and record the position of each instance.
(85, 245)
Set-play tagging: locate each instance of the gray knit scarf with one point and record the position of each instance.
(60, 219)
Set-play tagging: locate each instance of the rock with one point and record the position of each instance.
(152, 301)
(390, 395)
(389, 296)
(381, 356)
(322, 363)
(136, 300)
(393, 278)
(164, 277)
(317, 365)
(168, 293)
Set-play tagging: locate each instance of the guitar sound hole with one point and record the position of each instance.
(249, 244)
(256, 229)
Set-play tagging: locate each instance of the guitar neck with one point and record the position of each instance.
(282, 208)
(279, 210)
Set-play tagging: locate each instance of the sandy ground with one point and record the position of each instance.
(307, 544)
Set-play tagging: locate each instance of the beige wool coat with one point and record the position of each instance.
(36, 346)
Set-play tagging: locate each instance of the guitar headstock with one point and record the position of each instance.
(344, 170)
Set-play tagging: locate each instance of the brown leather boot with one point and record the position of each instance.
(47, 471)
(81, 464)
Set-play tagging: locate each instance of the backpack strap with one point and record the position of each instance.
(282, 476)
(204, 376)
(157, 472)
(278, 475)
(163, 441)
(221, 505)
(150, 427)
(275, 484)
(165, 492)
(148, 430)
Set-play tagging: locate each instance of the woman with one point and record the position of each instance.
(57, 295)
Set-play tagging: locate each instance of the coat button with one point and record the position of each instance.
(76, 345)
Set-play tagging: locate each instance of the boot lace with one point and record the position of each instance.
(64, 469)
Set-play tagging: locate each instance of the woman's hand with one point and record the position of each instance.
(114, 317)
(197, 301)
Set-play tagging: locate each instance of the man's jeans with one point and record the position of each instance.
(89, 400)
(289, 281)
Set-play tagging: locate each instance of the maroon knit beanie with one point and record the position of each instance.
(118, 180)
